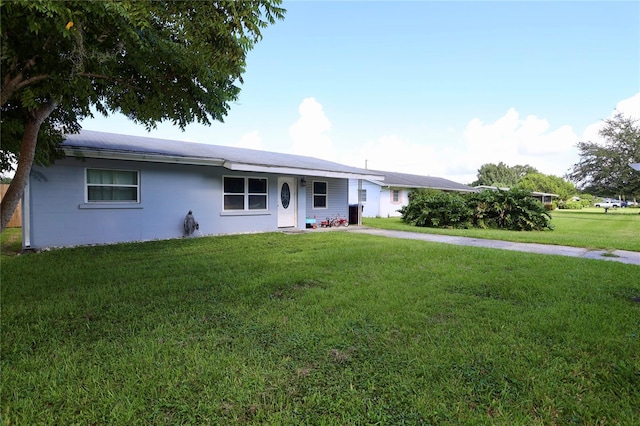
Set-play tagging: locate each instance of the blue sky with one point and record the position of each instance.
(431, 88)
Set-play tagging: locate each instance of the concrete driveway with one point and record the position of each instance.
(622, 256)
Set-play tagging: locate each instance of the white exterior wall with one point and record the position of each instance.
(387, 207)
(371, 207)
(379, 202)
(58, 214)
(338, 193)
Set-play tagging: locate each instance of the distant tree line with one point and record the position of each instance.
(524, 177)
(603, 170)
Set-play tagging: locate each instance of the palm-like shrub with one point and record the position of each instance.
(432, 208)
(514, 209)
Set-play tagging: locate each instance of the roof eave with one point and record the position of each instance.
(204, 161)
(135, 156)
(440, 188)
(247, 167)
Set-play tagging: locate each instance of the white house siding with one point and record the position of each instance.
(370, 207)
(378, 202)
(387, 207)
(59, 216)
(338, 192)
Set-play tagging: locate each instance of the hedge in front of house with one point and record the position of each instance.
(514, 209)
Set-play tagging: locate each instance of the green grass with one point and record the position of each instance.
(10, 242)
(590, 228)
(317, 328)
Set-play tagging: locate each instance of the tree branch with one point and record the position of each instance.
(11, 85)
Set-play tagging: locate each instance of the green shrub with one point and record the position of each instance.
(570, 205)
(434, 208)
(514, 210)
(586, 200)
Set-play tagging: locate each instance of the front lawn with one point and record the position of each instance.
(589, 228)
(317, 328)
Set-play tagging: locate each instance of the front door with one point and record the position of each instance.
(287, 197)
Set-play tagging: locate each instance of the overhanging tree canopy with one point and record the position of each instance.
(153, 61)
(604, 168)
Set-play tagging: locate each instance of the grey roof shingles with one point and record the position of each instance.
(93, 141)
(404, 180)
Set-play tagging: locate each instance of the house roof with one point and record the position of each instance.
(404, 180)
(535, 193)
(93, 144)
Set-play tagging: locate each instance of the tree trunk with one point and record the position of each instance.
(25, 162)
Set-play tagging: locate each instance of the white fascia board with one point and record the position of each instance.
(244, 167)
(389, 186)
(131, 156)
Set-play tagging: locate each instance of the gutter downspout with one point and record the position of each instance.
(359, 202)
(26, 215)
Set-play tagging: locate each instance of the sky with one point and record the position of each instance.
(430, 88)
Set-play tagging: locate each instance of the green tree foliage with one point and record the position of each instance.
(603, 168)
(514, 209)
(539, 182)
(154, 61)
(502, 175)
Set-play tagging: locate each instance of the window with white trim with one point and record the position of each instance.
(103, 185)
(320, 193)
(245, 193)
(363, 195)
(395, 196)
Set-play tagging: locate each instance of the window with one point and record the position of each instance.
(112, 186)
(245, 193)
(395, 196)
(363, 195)
(319, 195)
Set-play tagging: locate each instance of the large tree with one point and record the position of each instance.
(502, 175)
(604, 168)
(539, 182)
(153, 61)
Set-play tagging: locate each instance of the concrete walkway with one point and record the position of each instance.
(623, 256)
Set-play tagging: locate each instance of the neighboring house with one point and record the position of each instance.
(635, 166)
(383, 198)
(544, 197)
(116, 188)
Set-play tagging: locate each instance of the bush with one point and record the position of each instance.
(514, 210)
(432, 208)
(570, 205)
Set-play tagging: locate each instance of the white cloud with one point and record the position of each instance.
(251, 140)
(514, 140)
(309, 133)
(628, 107)
(392, 153)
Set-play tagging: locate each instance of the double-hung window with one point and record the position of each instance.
(112, 186)
(395, 196)
(320, 192)
(363, 195)
(245, 193)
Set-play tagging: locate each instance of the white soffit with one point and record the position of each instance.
(243, 167)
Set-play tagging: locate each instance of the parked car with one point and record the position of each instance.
(607, 204)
